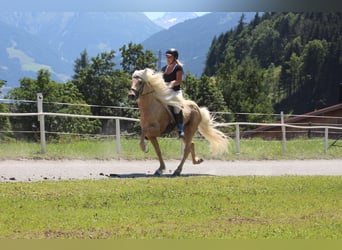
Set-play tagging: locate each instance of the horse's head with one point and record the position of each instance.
(138, 81)
(137, 87)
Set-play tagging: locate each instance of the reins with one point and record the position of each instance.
(147, 93)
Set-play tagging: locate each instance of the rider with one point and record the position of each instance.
(173, 76)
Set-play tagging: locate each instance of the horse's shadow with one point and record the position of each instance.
(142, 175)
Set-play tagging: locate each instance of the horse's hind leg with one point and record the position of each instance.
(185, 155)
(162, 167)
(195, 160)
(143, 145)
(189, 148)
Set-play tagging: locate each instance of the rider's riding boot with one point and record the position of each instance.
(180, 126)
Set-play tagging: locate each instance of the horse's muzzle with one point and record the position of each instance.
(132, 95)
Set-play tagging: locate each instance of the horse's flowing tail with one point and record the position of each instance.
(218, 140)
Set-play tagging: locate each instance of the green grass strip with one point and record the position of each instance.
(255, 149)
(288, 207)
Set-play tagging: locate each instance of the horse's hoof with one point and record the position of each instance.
(158, 173)
(144, 147)
(197, 161)
(176, 174)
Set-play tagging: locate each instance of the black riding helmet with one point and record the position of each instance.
(173, 52)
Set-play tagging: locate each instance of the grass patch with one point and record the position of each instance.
(287, 207)
(255, 149)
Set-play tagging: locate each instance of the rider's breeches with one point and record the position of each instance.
(176, 110)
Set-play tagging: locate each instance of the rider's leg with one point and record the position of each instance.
(179, 120)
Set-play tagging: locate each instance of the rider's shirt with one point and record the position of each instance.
(172, 76)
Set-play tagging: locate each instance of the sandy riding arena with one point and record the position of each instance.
(42, 170)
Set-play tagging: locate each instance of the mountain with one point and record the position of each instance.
(98, 32)
(172, 18)
(192, 38)
(23, 54)
(31, 40)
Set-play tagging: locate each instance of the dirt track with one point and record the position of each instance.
(39, 170)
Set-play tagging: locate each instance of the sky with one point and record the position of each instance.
(155, 15)
(177, 5)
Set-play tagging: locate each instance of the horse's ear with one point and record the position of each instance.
(139, 74)
(148, 73)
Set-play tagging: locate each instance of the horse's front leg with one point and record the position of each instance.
(147, 130)
(162, 167)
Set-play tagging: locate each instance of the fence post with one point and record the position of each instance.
(237, 138)
(326, 138)
(118, 139)
(42, 121)
(283, 130)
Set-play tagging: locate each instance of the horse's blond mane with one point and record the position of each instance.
(161, 91)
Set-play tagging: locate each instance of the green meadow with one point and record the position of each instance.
(288, 207)
(285, 207)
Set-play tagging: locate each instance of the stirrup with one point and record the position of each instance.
(180, 134)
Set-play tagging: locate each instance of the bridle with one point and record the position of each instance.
(140, 91)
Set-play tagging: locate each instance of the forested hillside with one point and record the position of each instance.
(282, 61)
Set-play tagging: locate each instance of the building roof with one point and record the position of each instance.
(298, 118)
(318, 112)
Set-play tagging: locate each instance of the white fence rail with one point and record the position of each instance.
(283, 128)
(41, 115)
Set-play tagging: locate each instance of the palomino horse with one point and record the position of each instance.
(154, 97)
